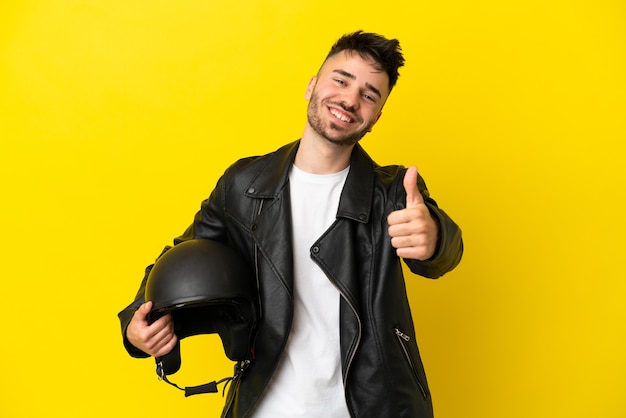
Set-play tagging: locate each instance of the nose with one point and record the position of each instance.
(350, 99)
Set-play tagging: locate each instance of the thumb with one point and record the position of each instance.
(413, 195)
(144, 310)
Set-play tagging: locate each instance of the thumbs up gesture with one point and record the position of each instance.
(413, 231)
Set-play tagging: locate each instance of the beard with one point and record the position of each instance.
(332, 133)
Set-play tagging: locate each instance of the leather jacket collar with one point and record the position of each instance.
(356, 199)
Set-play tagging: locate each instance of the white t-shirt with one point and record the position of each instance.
(308, 381)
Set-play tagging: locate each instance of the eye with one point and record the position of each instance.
(370, 97)
(340, 82)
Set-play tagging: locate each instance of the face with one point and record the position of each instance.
(346, 98)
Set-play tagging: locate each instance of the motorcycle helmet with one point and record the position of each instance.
(208, 288)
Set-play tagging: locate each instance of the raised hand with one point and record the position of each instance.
(413, 231)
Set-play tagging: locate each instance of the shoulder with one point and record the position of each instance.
(257, 162)
(263, 173)
(391, 178)
(389, 173)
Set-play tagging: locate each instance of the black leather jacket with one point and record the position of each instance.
(250, 210)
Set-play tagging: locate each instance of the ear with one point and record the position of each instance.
(310, 87)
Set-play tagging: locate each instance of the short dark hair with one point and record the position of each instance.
(386, 52)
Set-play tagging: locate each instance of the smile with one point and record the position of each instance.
(340, 115)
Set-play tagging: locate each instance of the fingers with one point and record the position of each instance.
(411, 238)
(164, 340)
(415, 240)
(156, 339)
(413, 195)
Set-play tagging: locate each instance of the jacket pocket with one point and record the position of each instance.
(403, 340)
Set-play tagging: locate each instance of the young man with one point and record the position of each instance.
(325, 228)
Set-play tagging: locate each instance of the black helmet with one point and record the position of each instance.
(208, 288)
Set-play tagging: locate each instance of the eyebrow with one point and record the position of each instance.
(353, 77)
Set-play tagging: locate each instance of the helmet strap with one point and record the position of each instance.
(210, 387)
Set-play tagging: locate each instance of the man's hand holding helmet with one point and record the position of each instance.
(156, 339)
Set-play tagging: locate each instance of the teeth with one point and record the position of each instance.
(340, 116)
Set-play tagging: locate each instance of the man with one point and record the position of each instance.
(325, 227)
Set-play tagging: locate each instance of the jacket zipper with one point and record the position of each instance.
(356, 315)
(403, 339)
(358, 340)
(356, 345)
(236, 384)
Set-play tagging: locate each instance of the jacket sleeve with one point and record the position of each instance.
(207, 224)
(450, 244)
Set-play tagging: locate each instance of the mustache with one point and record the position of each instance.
(342, 105)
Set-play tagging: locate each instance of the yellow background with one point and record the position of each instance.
(117, 117)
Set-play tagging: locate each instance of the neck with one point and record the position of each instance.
(318, 155)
